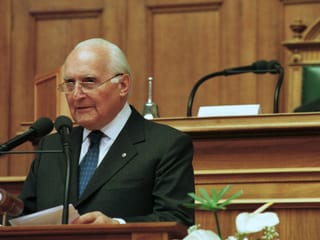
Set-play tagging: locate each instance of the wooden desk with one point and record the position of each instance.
(270, 157)
(132, 231)
(276, 152)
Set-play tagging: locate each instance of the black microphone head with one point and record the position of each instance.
(42, 126)
(274, 66)
(63, 121)
(260, 65)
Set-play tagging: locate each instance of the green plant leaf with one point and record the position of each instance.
(205, 195)
(211, 203)
(214, 195)
(228, 201)
(223, 191)
(196, 197)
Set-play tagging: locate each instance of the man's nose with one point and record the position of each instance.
(77, 92)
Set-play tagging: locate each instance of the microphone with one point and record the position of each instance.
(275, 66)
(10, 204)
(40, 128)
(63, 125)
(258, 67)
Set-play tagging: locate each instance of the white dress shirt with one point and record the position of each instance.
(111, 132)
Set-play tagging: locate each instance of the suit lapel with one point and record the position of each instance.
(76, 141)
(121, 152)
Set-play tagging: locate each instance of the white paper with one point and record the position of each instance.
(229, 110)
(45, 217)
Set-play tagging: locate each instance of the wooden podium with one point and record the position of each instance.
(272, 157)
(129, 231)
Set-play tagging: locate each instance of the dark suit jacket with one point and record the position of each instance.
(145, 176)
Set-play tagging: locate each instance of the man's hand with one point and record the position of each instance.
(94, 218)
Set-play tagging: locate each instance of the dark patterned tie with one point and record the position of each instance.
(89, 164)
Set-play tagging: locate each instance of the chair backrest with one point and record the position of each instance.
(310, 84)
(310, 96)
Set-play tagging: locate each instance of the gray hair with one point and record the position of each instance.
(118, 60)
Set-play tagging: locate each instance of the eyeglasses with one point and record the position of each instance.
(88, 84)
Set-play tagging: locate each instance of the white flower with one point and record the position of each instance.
(255, 222)
(231, 238)
(200, 234)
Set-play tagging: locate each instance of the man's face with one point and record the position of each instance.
(95, 108)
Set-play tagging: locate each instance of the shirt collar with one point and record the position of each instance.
(113, 128)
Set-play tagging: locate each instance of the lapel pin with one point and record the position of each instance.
(124, 155)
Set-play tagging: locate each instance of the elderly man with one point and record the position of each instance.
(142, 171)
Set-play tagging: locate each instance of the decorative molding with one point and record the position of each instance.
(250, 126)
(298, 1)
(172, 6)
(12, 179)
(257, 175)
(278, 203)
(63, 14)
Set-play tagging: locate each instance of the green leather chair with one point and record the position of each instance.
(310, 98)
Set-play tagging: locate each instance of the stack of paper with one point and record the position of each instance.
(45, 217)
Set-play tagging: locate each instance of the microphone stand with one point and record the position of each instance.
(67, 152)
(195, 88)
(226, 72)
(24, 152)
(278, 87)
(63, 125)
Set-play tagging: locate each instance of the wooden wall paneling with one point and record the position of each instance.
(5, 83)
(206, 36)
(46, 88)
(137, 52)
(46, 101)
(115, 22)
(21, 100)
(268, 47)
(263, 152)
(57, 29)
(191, 31)
(246, 87)
(250, 32)
(289, 183)
(307, 11)
(180, 44)
(230, 54)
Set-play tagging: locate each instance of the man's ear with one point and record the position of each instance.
(124, 85)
